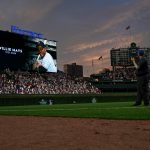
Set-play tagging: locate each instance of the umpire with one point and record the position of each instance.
(142, 72)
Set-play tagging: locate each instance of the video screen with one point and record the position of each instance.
(19, 52)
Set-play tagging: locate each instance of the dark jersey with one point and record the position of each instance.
(142, 67)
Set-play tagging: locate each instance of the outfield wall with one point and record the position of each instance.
(14, 100)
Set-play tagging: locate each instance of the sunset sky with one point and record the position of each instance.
(84, 29)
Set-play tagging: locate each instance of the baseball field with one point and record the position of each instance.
(110, 123)
(108, 110)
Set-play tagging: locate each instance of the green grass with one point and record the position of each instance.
(113, 110)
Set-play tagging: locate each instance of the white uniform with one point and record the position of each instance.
(47, 62)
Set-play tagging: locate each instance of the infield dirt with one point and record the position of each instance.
(56, 133)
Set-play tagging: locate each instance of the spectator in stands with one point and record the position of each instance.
(44, 61)
(142, 79)
(18, 82)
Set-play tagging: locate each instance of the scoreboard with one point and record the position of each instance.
(122, 56)
(19, 51)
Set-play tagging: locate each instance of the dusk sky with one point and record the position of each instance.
(84, 29)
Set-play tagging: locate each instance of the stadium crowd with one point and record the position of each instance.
(119, 74)
(125, 73)
(19, 82)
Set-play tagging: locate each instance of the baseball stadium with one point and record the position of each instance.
(34, 104)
